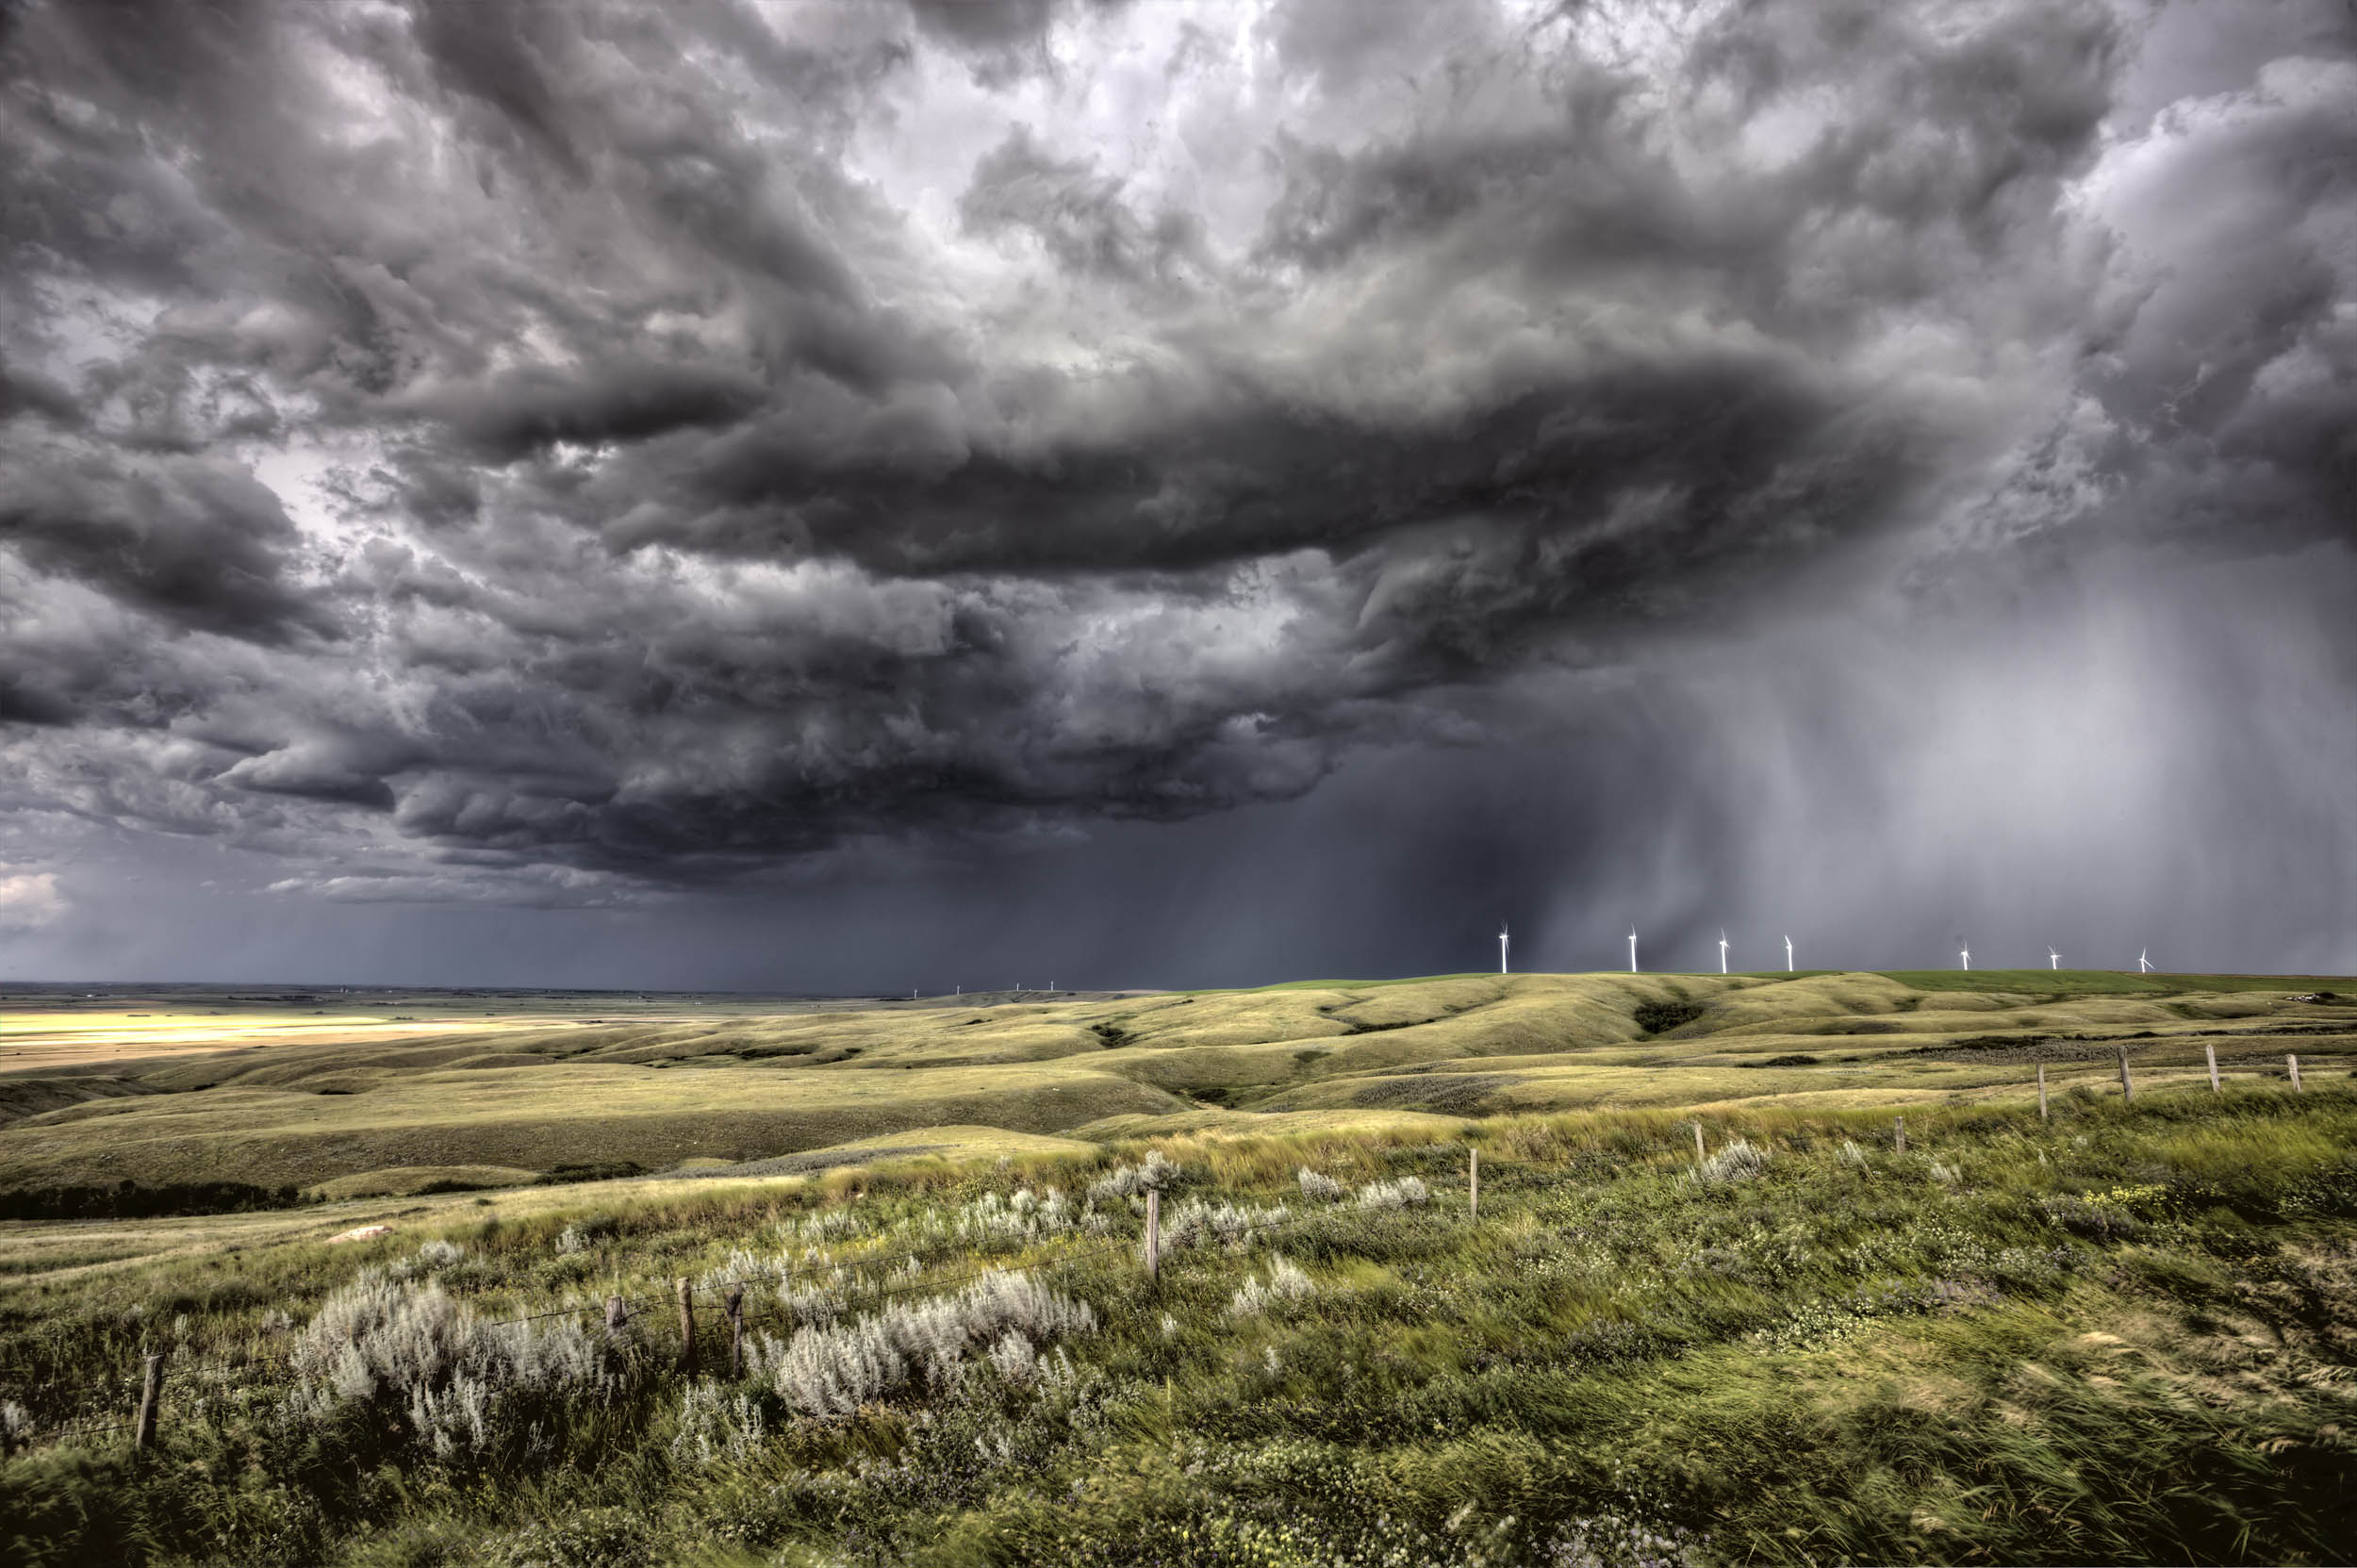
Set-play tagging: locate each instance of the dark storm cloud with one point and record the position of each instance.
(2233, 384)
(1079, 216)
(30, 394)
(529, 451)
(200, 545)
(527, 410)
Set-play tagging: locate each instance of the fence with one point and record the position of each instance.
(618, 1312)
(143, 1413)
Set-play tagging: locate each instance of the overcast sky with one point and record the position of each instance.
(857, 496)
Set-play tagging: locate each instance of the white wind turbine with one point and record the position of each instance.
(1501, 946)
(2143, 963)
(1723, 952)
(1966, 955)
(2053, 959)
(1787, 956)
(1632, 949)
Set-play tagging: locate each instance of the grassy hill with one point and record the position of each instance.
(2126, 1331)
(550, 1093)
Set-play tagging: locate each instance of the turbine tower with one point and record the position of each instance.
(1966, 955)
(1723, 951)
(1632, 949)
(2053, 959)
(1787, 956)
(1501, 946)
(2143, 963)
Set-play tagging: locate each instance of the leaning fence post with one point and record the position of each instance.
(1899, 1134)
(614, 1320)
(1472, 1183)
(2293, 1060)
(150, 1400)
(1153, 1232)
(2209, 1053)
(2127, 1085)
(1698, 1143)
(2041, 1093)
(686, 1328)
(736, 1330)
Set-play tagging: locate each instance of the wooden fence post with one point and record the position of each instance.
(2209, 1053)
(2127, 1085)
(615, 1318)
(2041, 1093)
(1698, 1143)
(1472, 1184)
(1153, 1232)
(736, 1330)
(151, 1401)
(2295, 1064)
(1899, 1134)
(686, 1328)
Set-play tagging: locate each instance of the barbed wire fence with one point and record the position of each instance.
(99, 1401)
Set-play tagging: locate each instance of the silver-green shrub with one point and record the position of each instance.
(1405, 1193)
(1155, 1172)
(1738, 1162)
(1286, 1282)
(582, 1234)
(1233, 1226)
(411, 1349)
(716, 1425)
(834, 1370)
(817, 1301)
(1022, 1216)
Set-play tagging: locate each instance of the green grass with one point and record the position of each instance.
(2089, 982)
(2124, 1335)
(531, 1096)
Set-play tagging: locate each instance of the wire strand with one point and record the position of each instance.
(1505, 1184)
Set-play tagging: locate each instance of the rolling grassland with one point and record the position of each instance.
(2125, 1331)
(335, 1107)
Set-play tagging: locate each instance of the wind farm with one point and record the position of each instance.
(591, 593)
(1722, 946)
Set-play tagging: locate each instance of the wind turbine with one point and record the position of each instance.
(1632, 949)
(1501, 946)
(1966, 955)
(1787, 956)
(2053, 959)
(2144, 965)
(1723, 952)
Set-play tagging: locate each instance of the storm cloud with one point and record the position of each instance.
(589, 455)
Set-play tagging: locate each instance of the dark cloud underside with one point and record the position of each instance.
(550, 452)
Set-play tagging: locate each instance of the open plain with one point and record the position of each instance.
(1763, 1267)
(515, 1089)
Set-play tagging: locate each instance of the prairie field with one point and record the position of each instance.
(1763, 1267)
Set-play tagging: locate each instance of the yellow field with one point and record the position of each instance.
(351, 1104)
